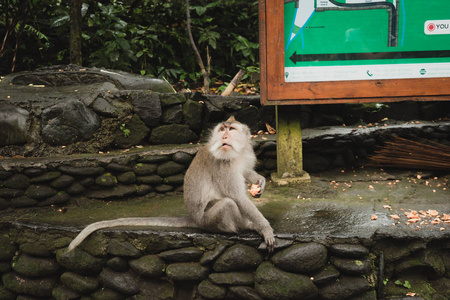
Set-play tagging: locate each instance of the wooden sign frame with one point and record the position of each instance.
(275, 91)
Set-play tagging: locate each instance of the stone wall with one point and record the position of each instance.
(68, 109)
(29, 182)
(187, 265)
(191, 265)
(351, 146)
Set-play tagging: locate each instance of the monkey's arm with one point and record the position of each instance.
(254, 178)
(251, 212)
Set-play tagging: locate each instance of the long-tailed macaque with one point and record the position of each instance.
(215, 190)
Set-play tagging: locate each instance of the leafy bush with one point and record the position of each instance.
(144, 36)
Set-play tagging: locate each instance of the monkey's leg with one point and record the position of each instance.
(224, 215)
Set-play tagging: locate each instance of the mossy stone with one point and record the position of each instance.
(238, 258)
(122, 248)
(47, 176)
(106, 180)
(80, 284)
(209, 290)
(142, 169)
(192, 113)
(17, 181)
(187, 271)
(79, 261)
(169, 168)
(182, 254)
(60, 198)
(40, 191)
(301, 258)
(148, 266)
(7, 248)
(38, 287)
(273, 283)
(127, 177)
(62, 182)
(35, 266)
(149, 179)
(172, 134)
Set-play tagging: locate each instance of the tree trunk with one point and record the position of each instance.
(75, 33)
(205, 72)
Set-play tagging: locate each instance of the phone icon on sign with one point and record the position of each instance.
(368, 73)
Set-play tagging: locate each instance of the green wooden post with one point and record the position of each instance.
(289, 146)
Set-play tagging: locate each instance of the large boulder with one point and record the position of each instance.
(68, 122)
(273, 283)
(131, 131)
(172, 134)
(13, 125)
(147, 106)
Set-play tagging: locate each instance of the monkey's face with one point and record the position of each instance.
(228, 139)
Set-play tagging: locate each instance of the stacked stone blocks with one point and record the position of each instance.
(34, 264)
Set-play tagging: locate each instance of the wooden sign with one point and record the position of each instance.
(347, 51)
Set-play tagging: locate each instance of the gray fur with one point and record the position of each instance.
(215, 190)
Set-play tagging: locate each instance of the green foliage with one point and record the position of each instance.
(148, 37)
(406, 284)
(126, 131)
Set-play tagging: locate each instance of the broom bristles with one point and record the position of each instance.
(405, 153)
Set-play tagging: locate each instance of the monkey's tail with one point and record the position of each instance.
(163, 222)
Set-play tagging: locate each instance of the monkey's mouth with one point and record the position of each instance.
(226, 146)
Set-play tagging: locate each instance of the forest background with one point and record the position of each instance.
(147, 37)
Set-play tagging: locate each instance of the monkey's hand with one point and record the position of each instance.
(269, 239)
(258, 188)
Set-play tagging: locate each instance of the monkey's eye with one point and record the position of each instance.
(231, 128)
(222, 128)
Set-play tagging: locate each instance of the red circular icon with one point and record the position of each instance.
(431, 27)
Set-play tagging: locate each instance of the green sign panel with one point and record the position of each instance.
(335, 40)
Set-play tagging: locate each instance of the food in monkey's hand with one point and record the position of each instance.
(255, 190)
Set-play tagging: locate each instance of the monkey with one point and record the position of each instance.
(215, 189)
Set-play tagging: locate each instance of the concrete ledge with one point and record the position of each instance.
(283, 181)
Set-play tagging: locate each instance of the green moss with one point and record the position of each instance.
(358, 263)
(414, 284)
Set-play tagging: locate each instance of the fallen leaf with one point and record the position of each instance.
(270, 129)
(412, 214)
(411, 294)
(433, 213)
